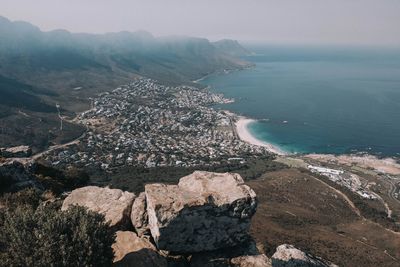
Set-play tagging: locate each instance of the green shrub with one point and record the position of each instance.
(26, 197)
(59, 181)
(50, 237)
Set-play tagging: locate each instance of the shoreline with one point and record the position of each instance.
(385, 165)
(244, 134)
(222, 72)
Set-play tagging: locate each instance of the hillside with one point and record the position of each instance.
(232, 47)
(39, 69)
(53, 59)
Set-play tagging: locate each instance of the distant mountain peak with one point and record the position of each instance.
(4, 20)
(231, 47)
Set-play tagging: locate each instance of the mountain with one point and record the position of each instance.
(231, 47)
(39, 69)
(23, 96)
(59, 60)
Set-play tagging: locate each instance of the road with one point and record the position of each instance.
(393, 188)
(51, 148)
(349, 202)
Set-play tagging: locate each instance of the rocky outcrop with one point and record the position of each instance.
(232, 256)
(130, 250)
(139, 215)
(251, 261)
(16, 152)
(114, 204)
(201, 222)
(205, 211)
(289, 256)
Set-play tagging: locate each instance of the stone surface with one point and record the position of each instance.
(139, 215)
(114, 204)
(130, 250)
(289, 256)
(251, 261)
(205, 211)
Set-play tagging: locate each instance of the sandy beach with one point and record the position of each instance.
(245, 135)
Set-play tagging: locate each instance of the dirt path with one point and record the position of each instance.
(355, 209)
(351, 204)
(73, 142)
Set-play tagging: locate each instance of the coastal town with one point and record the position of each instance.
(149, 124)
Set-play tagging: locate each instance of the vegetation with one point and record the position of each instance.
(27, 197)
(46, 236)
(366, 208)
(59, 181)
(20, 95)
(134, 178)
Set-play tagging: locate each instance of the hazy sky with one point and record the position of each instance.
(280, 21)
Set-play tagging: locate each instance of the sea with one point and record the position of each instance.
(319, 99)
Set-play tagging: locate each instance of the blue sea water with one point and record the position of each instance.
(319, 99)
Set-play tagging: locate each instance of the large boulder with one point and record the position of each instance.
(114, 204)
(139, 215)
(289, 256)
(130, 250)
(205, 211)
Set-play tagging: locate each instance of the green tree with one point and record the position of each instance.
(49, 237)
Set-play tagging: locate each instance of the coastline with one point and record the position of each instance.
(386, 165)
(222, 72)
(245, 135)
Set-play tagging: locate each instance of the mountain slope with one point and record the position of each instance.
(231, 47)
(39, 69)
(44, 58)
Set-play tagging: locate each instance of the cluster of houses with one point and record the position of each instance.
(349, 180)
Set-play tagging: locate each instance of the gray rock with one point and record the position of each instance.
(251, 261)
(130, 250)
(139, 215)
(114, 204)
(289, 256)
(240, 255)
(205, 211)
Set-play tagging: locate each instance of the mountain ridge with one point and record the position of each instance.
(134, 52)
(58, 61)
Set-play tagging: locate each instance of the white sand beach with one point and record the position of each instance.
(245, 135)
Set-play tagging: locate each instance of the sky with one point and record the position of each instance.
(273, 21)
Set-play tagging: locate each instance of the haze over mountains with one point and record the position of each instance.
(39, 69)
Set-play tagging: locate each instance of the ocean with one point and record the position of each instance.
(314, 99)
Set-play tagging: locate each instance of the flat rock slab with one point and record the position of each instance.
(114, 204)
(205, 211)
(289, 256)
